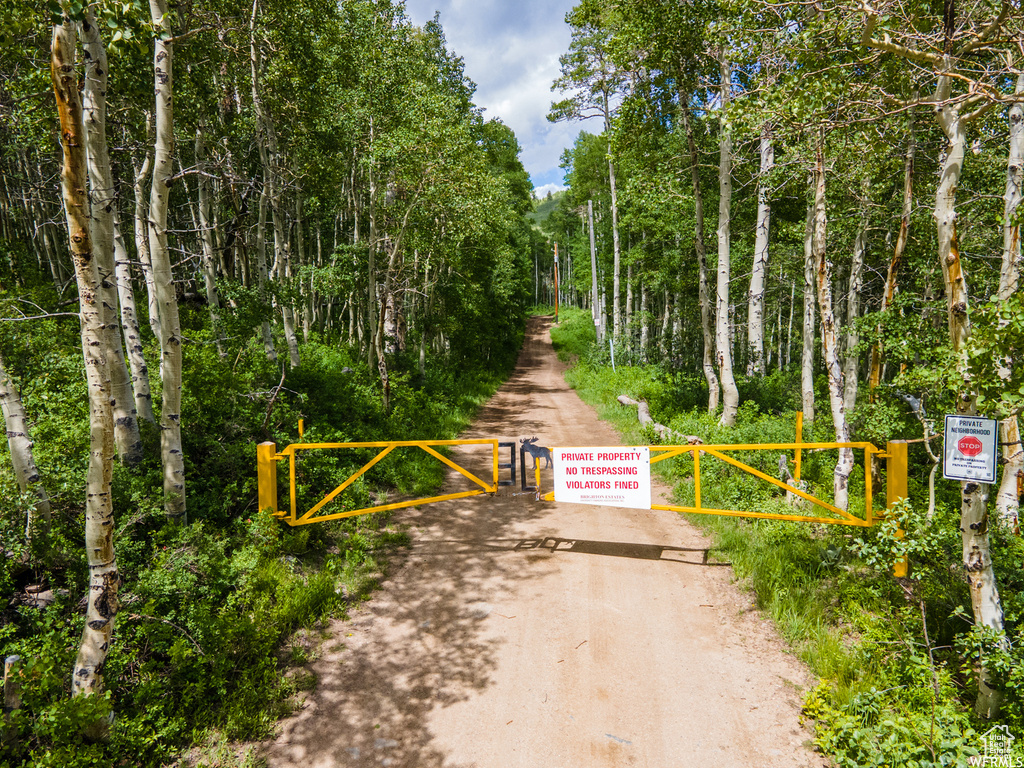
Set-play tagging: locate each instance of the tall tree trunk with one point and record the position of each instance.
(830, 333)
(807, 352)
(665, 340)
(977, 557)
(130, 326)
(889, 292)
(101, 605)
(677, 324)
(127, 439)
(723, 341)
(273, 182)
(616, 247)
(789, 326)
(1007, 501)
(595, 295)
(22, 458)
(206, 227)
(306, 291)
(163, 277)
(755, 299)
(630, 300)
(707, 364)
(371, 266)
(142, 174)
(852, 358)
(262, 273)
(645, 321)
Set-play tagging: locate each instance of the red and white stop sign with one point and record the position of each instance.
(969, 445)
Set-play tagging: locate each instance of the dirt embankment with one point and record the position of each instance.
(536, 635)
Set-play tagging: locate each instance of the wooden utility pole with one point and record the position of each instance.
(593, 274)
(556, 283)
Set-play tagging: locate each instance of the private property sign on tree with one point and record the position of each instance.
(970, 452)
(612, 477)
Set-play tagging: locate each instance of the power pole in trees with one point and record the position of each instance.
(595, 300)
(556, 283)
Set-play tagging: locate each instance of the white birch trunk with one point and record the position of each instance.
(261, 272)
(755, 298)
(789, 326)
(723, 345)
(595, 294)
(1009, 273)
(704, 292)
(142, 174)
(206, 228)
(665, 340)
(677, 324)
(130, 327)
(273, 185)
(630, 300)
(830, 335)
(977, 556)
(645, 322)
(616, 248)
(163, 278)
(101, 605)
(305, 292)
(852, 359)
(22, 459)
(807, 352)
(127, 439)
(1007, 502)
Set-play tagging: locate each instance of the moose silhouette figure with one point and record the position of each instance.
(537, 451)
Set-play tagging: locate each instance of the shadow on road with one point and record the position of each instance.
(663, 552)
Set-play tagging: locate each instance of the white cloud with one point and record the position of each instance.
(541, 192)
(511, 52)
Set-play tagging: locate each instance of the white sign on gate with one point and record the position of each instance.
(970, 449)
(611, 477)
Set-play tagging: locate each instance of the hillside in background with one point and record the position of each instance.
(543, 209)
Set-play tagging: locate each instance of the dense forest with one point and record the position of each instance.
(217, 219)
(860, 163)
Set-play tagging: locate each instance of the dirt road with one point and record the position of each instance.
(532, 635)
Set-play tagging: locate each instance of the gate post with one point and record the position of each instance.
(896, 488)
(266, 476)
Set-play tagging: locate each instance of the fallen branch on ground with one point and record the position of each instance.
(643, 413)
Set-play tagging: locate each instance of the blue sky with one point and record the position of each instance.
(511, 52)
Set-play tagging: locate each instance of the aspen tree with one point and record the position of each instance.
(163, 278)
(273, 183)
(807, 348)
(588, 70)
(829, 330)
(723, 343)
(101, 603)
(1007, 502)
(130, 327)
(755, 299)
(22, 458)
(944, 52)
(708, 365)
(854, 287)
(206, 227)
(142, 172)
(127, 439)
